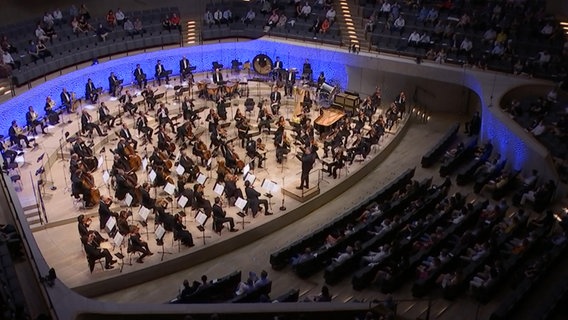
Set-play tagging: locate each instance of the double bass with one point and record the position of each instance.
(89, 184)
(134, 159)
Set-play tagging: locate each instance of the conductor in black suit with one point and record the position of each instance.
(140, 76)
(308, 160)
(217, 77)
(161, 72)
(185, 69)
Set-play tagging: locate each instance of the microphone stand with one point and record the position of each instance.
(282, 206)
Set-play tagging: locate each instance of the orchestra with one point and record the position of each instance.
(341, 142)
(161, 72)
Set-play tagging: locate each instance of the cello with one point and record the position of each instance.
(134, 159)
(89, 184)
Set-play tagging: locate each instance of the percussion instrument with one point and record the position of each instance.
(202, 86)
(329, 89)
(231, 87)
(212, 90)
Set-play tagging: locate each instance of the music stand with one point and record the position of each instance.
(143, 212)
(117, 240)
(110, 227)
(201, 178)
(160, 232)
(219, 189)
(271, 187)
(182, 201)
(242, 204)
(201, 218)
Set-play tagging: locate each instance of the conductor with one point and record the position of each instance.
(308, 160)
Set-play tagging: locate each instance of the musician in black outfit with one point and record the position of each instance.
(254, 201)
(220, 217)
(94, 253)
(140, 77)
(88, 125)
(105, 117)
(218, 77)
(125, 133)
(253, 153)
(163, 140)
(104, 211)
(51, 114)
(66, 100)
(264, 119)
(232, 192)
(321, 80)
(91, 92)
(127, 105)
(275, 98)
(282, 146)
(185, 69)
(307, 72)
(308, 160)
(136, 244)
(338, 163)
(114, 85)
(200, 201)
(181, 233)
(8, 155)
(32, 120)
(16, 134)
(290, 81)
(161, 72)
(189, 114)
(142, 127)
(163, 115)
(242, 130)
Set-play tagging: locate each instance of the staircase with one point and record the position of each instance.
(352, 32)
(5, 87)
(33, 215)
(192, 32)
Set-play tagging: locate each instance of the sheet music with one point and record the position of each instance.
(170, 189)
(143, 213)
(101, 160)
(128, 199)
(180, 170)
(275, 187)
(250, 177)
(201, 178)
(246, 169)
(118, 239)
(182, 201)
(152, 176)
(241, 203)
(111, 223)
(144, 163)
(201, 218)
(219, 188)
(266, 185)
(106, 176)
(160, 232)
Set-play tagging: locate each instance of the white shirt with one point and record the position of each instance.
(57, 15)
(386, 7)
(48, 18)
(227, 14)
(466, 45)
(250, 15)
(40, 33)
(414, 37)
(209, 17)
(547, 30)
(306, 9)
(218, 15)
(399, 22)
(119, 15)
(7, 57)
(330, 14)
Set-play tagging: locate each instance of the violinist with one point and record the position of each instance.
(339, 158)
(52, 115)
(254, 201)
(216, 138)
(264, 119)
(181, 233)
(188, 165)
(376, 99)
(124, 185)
(16, 134)
(282, 147)
(332, 141)
(146, 200)
(125, 133)
(252, 151)
(184, 132)
(212, 120)
(122, 223)
(359, 122)
(243, 129)
(220, 217)
(275, 98)
(163, 116)
(104, 211)
(142, 127)
(87, 124)
(188, 110)
(163, 217)
(186, 192)
(222, 108)
(222, 171)
(200, 201)
(66, 100)
(105, 117)
(232, 192)
(32, 120)
(83, 225)
(91, 92)
(136, 244)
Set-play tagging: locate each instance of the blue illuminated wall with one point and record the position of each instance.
(332, 63)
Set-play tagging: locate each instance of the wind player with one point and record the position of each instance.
(66, 100)
(185, 70)
(187, 109)
(220, 217)
(140, 77)
(105, 117)
(254, 201)
(32, 120)
(264, 119)
(163, 115)
(275, 98)
(16, 134)
(161, 72)
(51, 114)
(282, 146)
(87, 124)
(148, 95)
(114, 85)
(91, 92)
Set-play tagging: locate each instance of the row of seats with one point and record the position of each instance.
(282, 257)
(440, 148)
